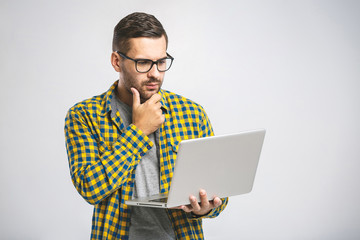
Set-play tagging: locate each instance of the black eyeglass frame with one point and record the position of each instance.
(152, 62)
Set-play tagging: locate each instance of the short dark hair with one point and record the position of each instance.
(136, 25)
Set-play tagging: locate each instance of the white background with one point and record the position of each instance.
(292, 67)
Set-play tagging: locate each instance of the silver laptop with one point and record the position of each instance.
(223, 166)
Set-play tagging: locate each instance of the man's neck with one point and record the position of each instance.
(124, 95)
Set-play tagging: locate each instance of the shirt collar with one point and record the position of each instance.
(164, 103)
(107, 99)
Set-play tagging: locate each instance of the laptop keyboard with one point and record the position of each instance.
(159, 200)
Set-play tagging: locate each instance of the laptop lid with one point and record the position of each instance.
(224, 166)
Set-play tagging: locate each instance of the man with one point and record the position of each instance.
(123, 143)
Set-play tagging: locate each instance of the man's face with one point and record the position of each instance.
(146, 83)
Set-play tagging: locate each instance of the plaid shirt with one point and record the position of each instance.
(103, 155)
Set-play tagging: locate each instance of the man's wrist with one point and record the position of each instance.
(200, 215)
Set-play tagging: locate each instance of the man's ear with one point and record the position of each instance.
(115, 61)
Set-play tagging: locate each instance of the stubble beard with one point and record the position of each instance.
(130, 82)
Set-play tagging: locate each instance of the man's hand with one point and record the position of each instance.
(148, 116)
(204, 207)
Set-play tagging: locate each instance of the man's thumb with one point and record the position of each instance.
(136, 97)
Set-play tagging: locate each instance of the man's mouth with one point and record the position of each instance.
(151, 85)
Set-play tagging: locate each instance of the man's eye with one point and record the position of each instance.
(162, 61)
(143, 63)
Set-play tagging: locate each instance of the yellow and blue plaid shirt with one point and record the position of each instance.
(103, 155)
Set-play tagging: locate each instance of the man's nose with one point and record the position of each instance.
(154, 72)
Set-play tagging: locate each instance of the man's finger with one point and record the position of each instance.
(203, 198)
(217, 202)
(155, 98)
(136, 97)
(158, 106)
(194, 203)
(187, 208)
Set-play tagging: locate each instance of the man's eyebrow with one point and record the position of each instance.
(140, 58)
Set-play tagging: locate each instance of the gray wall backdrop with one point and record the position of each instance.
(291, 67)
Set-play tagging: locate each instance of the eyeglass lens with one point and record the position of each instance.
(145, 65)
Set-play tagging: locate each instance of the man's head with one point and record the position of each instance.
(136, 25)
(139, 36)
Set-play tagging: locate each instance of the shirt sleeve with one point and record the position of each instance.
(96, 176)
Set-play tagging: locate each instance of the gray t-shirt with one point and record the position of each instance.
(146, 222)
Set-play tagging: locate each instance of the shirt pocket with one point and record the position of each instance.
(171, 154)
(174, 145)
(102, 147)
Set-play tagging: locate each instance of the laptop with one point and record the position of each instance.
(223, 166)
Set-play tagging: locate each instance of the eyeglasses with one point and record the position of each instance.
(144, 65)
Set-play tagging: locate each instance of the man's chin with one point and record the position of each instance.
(148, 94)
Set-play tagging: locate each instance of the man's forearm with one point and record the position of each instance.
(97, 171)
